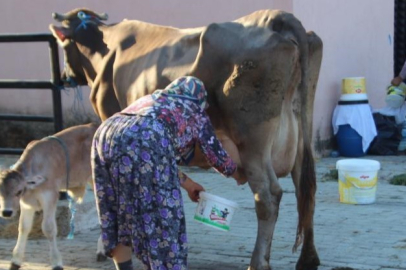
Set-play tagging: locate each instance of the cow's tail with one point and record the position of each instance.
(306, 196)
(310, 61)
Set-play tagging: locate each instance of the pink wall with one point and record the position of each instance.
(357, 36)
(358, 42)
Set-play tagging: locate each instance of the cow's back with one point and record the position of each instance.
(148, 57)
(47, 157)
(79, 141)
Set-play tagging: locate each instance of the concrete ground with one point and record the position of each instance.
(370, 237)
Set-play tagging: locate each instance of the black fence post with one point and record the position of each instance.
(55, 85)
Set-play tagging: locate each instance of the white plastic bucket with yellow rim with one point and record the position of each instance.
(353, 88)
(215, 211)
(357, 180)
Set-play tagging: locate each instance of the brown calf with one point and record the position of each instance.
(46, 167)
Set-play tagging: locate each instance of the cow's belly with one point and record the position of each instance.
(284, 149)
(285, 146)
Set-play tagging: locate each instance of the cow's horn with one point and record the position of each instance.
(59, 17)
(103, 16)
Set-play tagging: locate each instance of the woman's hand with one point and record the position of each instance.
(192, 189)
(396, 81)
(240, 176)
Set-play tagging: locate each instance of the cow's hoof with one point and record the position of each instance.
(57, 268)
(101, 257)
(308, 260)
(308, 267)
(14, 266)
(311, 265)
(267, 267)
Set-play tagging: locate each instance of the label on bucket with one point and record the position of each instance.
(214, 214)
(353, 85)
(357, 187)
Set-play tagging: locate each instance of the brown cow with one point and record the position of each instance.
(35, 180)
(261, 73)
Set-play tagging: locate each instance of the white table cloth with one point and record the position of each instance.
(359, 117)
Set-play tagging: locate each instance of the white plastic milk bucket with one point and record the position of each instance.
(215, 211)
(357, 179)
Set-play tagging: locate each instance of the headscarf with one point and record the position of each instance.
(186, 87)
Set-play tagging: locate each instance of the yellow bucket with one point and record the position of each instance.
(353, 85)
(357, 180)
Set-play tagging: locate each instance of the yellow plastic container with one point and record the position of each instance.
(357, 180)
(353, 85)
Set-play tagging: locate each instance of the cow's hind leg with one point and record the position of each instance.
(305, 184)
(49, 228)
(267, 194)
(24, 228)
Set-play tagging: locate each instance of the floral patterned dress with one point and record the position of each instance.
(135, 158)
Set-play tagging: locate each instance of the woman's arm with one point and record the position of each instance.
(190, 186)
(402, 75)
(213, 150)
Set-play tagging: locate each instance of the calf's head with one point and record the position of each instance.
(13, 185)
(78, 27)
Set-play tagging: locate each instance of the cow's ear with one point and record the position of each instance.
(35, 181)
(60, 33)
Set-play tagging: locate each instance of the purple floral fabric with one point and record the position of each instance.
(137, 187)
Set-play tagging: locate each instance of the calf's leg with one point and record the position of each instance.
(49, 228)
(24, 228)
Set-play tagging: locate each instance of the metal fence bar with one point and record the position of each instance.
(55, 84)
(11, 151)
(19, 117)
(25, 84)
(27, 37)
(57, 108)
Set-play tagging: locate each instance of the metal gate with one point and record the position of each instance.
(399, 36)
(54, 85)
